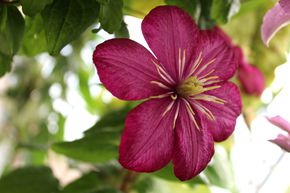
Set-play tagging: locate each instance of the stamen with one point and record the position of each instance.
(206, 74)
(168, 108)
(208, 78)
(196, 64)
(163, 74)
(181, 62)
(211, 82)
(174, 96)
(191, 113)
(209, 98)
(176, 115)
(210, 88)
(161, 96)
(204, 67)
(160, 84)
(205, 110)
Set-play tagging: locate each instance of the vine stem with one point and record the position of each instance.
(128, 180)
(272, 168)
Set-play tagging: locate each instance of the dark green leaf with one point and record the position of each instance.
(5, 64)
(223, 10)
(65, 20)
(205, 21)
(188, 5)
(96, 148)
(34, 41)
(29, 180)
(111, 15)
(108, 190)
(11, 29)
(167, 173)
(113, 120)
(32, 7)
(123, 31)
(86, 184)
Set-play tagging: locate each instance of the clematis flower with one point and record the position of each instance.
(250, 77)
(275, 19)
(188, 101)
(283, 141)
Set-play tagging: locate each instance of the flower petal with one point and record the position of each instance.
(280, 122)
(217, 56)
(285, 4)
(283, 142)
(147, 141)
(193, 147)
(225, 114)
(274, 20)
(169, 30)
(251, 78)
(126, 69)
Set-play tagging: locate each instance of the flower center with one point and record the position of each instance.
(190, 87)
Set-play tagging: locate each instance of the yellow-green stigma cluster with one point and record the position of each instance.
(190, 87)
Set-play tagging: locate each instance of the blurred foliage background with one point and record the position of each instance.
(46, 69)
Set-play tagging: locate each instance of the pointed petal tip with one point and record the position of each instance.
(275, 19)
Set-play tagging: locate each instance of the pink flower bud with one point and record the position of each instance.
(283, 141)
(250, 77)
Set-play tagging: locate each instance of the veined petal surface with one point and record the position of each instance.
(147, 140)
(126, 69)
(217, 57)
(225, 114)
(169, 32)
(193, 147)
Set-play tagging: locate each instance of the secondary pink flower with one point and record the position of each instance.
(281, 140)
(188, 101)
(251, 78)
(275, 19)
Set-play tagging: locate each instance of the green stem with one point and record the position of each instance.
(128, 180)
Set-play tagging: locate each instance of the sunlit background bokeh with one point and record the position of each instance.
(252, 156)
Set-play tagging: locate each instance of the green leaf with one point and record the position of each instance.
(32, 7)
(141, 7)
(188, 5)
(123, 31)
(87, 183)
(223, 10)
(111, 15)
(66, 20)
(220, 172)
(34, 41)
(96, 148)
(11, 29)
(113, 120)
(5, 64)
(167, 173)
(205, 20)
(29, 180)
(108, 190)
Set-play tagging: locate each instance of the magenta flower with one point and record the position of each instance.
(283, 141)
(188, 101)
(251, 78)
(275, 19)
